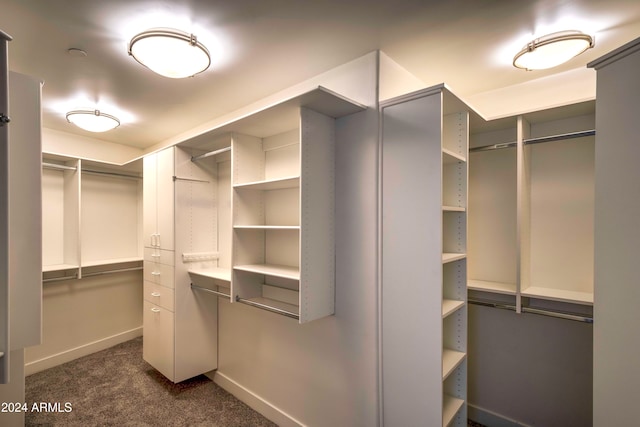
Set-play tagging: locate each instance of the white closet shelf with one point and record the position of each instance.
(101, 262)
(216, 273)
(283, 271)
(451, 406)
(58, 267)
(454, 209)
(449, 306)
(267, 227)
(271, 184)
(489, 286)
(449, 156)
(451, 257)
(558, 295)
(450, 361)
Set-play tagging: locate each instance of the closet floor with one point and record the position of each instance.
(117, 387)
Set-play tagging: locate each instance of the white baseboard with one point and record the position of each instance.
(77, 352)
(489, 418)
(255, 402)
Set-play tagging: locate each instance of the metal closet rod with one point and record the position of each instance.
(210, 153)
(267, 308)
(538, 140)
(211, 291)
(548, 313)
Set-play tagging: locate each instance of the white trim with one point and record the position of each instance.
(254, 401)
(77, 352)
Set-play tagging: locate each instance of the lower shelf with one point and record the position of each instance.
(450, 361)
(559, 295)
(283, 271)
(488, 286)
(450, 408)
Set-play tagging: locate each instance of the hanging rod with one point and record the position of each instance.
(549, 313)
(119, 270)
(177, 178)
(121, 175)
(538, 140)
(210, 153)
(268, 308)
(220, 294)
(47, 165)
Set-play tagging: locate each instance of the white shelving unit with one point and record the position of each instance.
(93, 220)
(424, 267)
(531, 208)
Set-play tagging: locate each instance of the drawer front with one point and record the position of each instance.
(159, 295)
(159, 273)
(161, 256)
(158, 339)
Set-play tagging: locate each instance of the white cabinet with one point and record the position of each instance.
(180, 329)
(424, 266)
(159, 200)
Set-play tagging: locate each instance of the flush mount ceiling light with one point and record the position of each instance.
(170, 53)
(552, 49)
(92, 120)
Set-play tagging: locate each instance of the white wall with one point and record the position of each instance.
(323, 372)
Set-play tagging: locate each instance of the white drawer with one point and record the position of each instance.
(158, 339)
(161, 274)
(158, 255)
(159, 295)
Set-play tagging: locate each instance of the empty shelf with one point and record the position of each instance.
(110, 261)
(495, 287)
(273, 184)
(449, 306)
(267, 227)
(58, 267)
(450, 361)
(558, 295)
(450, 408)
(450, 257)
(453, 209)
(283, 271)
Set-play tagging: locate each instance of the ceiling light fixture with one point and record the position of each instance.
(170, 53)
(552, 49)
(92, 120)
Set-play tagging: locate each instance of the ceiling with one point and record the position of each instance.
(260, 47)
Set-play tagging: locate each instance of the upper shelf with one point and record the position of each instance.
(280, 117)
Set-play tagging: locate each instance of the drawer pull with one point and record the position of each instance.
(155, 273)
(155, 255)
(155, 294)
(155, 310)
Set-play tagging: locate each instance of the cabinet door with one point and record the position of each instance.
(149, 200)
(158, 339)
(165, 198)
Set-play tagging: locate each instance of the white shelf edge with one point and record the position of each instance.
(216, 273)
(58, 267)
(450, 407)
(451, 257)
(98, 263)
(450, 306)
(562, 295)
(271, 184)
(283, 271)
(489, 286)
(451, 359)
(454, 209)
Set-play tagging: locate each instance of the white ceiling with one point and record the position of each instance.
(263, 46)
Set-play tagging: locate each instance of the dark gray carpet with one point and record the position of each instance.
(116, 387)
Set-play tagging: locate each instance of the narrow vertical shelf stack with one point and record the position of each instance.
(424, 172)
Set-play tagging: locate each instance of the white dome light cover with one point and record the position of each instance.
(552, 50)
(92, 120)
(170, 53)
